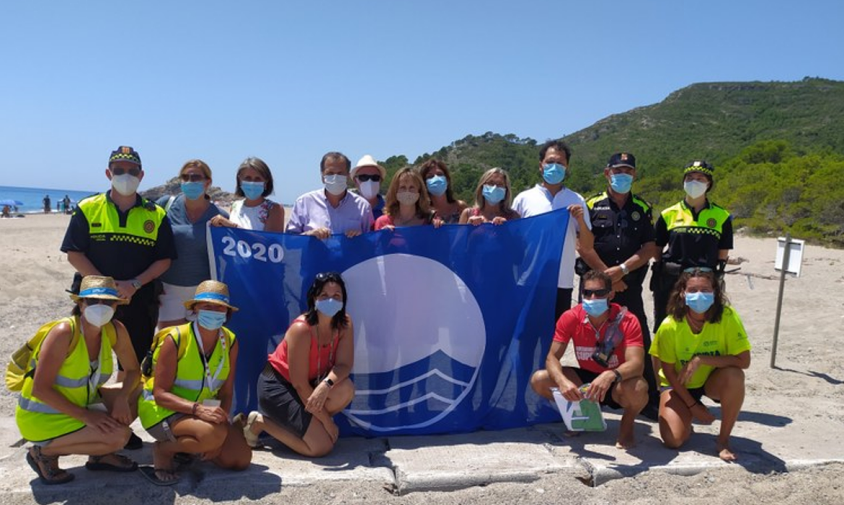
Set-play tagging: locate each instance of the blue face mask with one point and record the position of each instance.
(252, 190)
(554, 173)
(193, 190)
(210, 319)
(700, 301)
(595, 306)
(329, 306)
(437, 185)
(621, 183)
(494, 194)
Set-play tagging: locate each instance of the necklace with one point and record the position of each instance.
(319, 355)
(694, 324)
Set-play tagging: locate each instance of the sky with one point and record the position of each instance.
(289, 81)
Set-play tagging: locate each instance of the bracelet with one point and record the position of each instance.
(193, 409)
(624, 268)
(690, 407)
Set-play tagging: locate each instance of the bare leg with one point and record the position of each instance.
(234, 454)
(315, 443)
(675, 420)
(726, 385)
(632, 395)
(340, 396)
(193, 436)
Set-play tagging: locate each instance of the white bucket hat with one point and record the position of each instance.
(369, 161)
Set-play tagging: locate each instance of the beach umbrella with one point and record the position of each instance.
(11, 203)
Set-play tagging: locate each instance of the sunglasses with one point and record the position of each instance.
(98, 301)
(329, 276)
(134, 172)
(600, 293)
(368, 177)
(192, 177)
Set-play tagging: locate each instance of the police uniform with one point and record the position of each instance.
(123, 245)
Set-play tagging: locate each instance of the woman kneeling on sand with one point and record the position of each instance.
(185, 403)
(703, 350)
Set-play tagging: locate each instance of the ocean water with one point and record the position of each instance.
(32, 198)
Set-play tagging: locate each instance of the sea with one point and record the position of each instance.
(32, 199)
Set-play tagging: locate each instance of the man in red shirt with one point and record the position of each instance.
(614, 370)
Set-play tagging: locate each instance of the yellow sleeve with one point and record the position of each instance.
(663, 345)
(736, 336)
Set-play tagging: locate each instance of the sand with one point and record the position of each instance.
(806, 383)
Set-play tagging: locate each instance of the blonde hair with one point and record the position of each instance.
(423, 205)
(201, 165)
(479, 191)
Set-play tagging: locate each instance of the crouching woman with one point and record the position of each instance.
(185, 403)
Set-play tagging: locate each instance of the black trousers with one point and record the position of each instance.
(632, 299)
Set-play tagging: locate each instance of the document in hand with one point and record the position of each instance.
(584, 415)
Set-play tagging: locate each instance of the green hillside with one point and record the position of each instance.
(778, 149)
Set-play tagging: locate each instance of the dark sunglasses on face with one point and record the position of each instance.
(368, 177)
(97, 301)
(134, 172)
(192, 177)
(599, 293)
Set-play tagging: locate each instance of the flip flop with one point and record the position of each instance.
(52, 478)
(251, 438)
(149, 474)
(95, 464)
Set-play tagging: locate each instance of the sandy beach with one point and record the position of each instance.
(806, 384)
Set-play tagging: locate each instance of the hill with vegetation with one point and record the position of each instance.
(778, 148)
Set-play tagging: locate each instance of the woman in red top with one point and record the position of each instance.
(307, 377)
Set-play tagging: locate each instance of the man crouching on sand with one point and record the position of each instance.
(609, 349)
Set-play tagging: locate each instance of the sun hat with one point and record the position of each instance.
(368, 161)
(99, 287)
(214, 292)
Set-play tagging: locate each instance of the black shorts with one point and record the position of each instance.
(278, 400)
(586, 376)
(696, 393)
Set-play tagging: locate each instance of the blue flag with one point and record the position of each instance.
(449, 323)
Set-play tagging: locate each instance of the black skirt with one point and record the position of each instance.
(279, 401)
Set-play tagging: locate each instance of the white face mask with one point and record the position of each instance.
(125, 184)
(368, 189)
(335, 184)
(695, 188)
(99, 314)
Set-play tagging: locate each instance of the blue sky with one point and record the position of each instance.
(289, 81)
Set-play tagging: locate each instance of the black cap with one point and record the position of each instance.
(125, 153)
(622, 160)
(699, 166)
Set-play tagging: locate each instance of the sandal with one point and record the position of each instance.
(124, 464)
(152, 475)
(47, 467)
(248, 434)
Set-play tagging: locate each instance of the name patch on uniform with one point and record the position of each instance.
(149, 226)
(711, 222)
(96, 225)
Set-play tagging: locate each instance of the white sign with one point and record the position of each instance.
(795, 255)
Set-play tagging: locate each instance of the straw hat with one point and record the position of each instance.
(211, 292)
(99, 287)
(368, 161)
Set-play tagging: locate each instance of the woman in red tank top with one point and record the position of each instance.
(307, 376)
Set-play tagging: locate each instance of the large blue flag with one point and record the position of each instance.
(449, 323)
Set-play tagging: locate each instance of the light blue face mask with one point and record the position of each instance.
(595, 306)
(210, 319)
(252, 190)
(554, 173)
(193, 190)
(700, 301)
(437, 185)
(493, 194)
(621, 183)
(329, 307)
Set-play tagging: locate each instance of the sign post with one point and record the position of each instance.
(789, 258)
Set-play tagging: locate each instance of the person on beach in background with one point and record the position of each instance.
(692, 233)
(120, 234)
(48, 206)
(7, 211)
(255, 211)
(407, 203)
(188, 213)
(333, 209)
(64, 407)
(66, 204)
(617, 381)
(306, 380)
(186, 401)
(702, 349)
(492, 200)
(622, 224)
(368, 175)
(438, 182)
(551, 194)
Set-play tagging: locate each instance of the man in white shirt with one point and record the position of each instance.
(551, 194)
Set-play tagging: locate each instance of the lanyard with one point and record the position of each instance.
(319, 355)
(210, 380)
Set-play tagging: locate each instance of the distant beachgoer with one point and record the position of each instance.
(66, 204)
(333, 209)
(65, 407)
(438, 182)
(407, 203)
(188, 213)
(702, 349)
(48, 206)
(255, 211)
(492, 200)
(306, 380)
(368, 175)
(7, 211)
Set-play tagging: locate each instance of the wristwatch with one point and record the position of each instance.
(328, 381)
(617, 376)
(624, 268)
(136, 284)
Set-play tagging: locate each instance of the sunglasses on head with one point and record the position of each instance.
(692, 270)
(328, 276)
(368, 177)
(600, 293)
(134, 172)
(192, 177)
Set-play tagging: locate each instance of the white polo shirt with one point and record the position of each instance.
(538, 200)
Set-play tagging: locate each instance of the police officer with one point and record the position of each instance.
(622, 224)
(122, 235)
(697, 233)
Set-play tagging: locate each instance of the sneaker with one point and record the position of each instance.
(134, 443)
